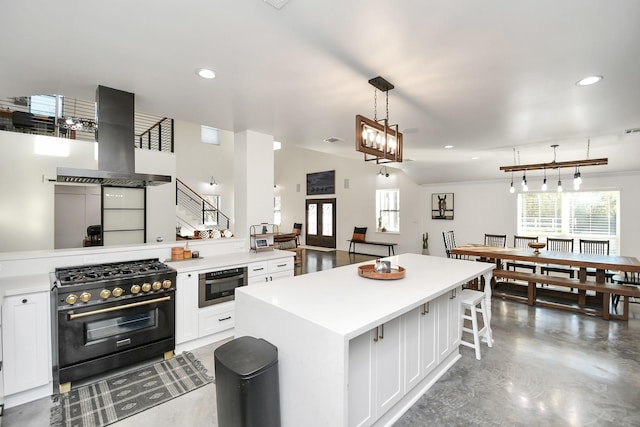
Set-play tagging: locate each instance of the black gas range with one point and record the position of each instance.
(107, 316)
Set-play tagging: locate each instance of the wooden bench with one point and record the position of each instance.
(352, 246)
(606, 289)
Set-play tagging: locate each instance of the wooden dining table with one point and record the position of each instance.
(599, 263)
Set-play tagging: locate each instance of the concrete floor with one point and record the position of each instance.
(547, 368)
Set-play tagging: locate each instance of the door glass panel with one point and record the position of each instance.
(327, 219)
(120, 325)
(312, 220)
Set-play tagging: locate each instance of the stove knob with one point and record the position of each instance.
(71, 299)
(85, 296)
(166, 284)
(157, 286)
(135, 289)
(117, 292)
(146, 287)
(105, 293)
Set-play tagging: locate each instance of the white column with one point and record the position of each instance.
(253, 180)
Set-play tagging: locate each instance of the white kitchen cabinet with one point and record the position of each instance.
(217, 318)
(420, 344)
(26, 341)
(186, 307)
(376, 372)
(449, 318)
(270, 270)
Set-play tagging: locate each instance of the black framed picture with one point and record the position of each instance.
(321, 183)
(442, 206)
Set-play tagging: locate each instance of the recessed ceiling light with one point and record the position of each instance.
(475, 158)
(332, 139)
(448, 146)
(206, 73)
(589, 80)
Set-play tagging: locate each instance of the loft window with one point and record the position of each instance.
(43, 105)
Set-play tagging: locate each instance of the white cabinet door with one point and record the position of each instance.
(268, 271)
(186, 307)
(26, 341)
(389, 366)
(413, 346)
(449, 319)
(217, 318)
(361, 379)
(455, 319)
(428, 338)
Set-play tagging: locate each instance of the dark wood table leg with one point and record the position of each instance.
(531, 293)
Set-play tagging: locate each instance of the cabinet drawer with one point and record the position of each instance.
(277, 265)
(212, 321)
(257, 268)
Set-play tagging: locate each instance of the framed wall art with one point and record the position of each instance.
(442, 206)
(321, 183)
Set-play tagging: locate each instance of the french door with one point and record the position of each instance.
(321, 222)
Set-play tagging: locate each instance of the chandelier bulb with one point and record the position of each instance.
(544, 185)
(559, 186)
(511, 189)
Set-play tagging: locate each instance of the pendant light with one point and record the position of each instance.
(544, 181)
(559, 182)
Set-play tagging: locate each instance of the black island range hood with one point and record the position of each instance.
(116, 152)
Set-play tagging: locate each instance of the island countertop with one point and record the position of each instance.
(345, 303)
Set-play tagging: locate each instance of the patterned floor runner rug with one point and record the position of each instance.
(112, 399)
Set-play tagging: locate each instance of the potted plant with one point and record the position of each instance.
(425, 243)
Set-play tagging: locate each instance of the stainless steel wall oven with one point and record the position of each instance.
(111, 315)
(219, 286)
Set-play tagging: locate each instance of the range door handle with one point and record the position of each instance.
(118, 307)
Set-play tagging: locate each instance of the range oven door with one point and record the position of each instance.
(88, 333)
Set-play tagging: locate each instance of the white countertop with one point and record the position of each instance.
(26, 284)
(224, 261)
(343, 302)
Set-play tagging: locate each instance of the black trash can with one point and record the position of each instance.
(247, 386)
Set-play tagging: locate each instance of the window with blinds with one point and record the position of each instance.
(388, 210)
(579, 215)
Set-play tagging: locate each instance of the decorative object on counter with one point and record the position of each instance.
(442, 206)
(227, 233)
(261, 236)
(177, 253)
(382, 266)
(536, 246)
(215, 234)
(375, 137)
(187, 252)
(204, 234)
(195, 254)
(369, 271)
(121, 396)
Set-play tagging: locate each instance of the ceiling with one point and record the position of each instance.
(486, 76)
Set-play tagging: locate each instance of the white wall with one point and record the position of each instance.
(356, 204)
(488, 207)
(27, 213)
(197, 162)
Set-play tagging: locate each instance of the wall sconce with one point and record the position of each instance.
(213, 182)
(383, 172)
(375, 137)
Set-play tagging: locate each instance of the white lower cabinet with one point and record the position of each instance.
(186, 307)
(449, 318)
(26, 341)
(217, 318)
(390, 360)
(376, 371)
(268, 271)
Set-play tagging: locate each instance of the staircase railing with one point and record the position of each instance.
(158, 137)
(198, 207)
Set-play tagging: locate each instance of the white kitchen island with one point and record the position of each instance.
(354, 351)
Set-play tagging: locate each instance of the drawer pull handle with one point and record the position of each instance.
(281, 265)
(258, 269)
(224, 318)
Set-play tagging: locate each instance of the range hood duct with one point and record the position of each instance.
(116, 153)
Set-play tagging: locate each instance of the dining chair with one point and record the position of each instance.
(499, 240)
(522, 242)
(628, 279)
(596, 247)
(297, 230)
(558, 245)
(449, 243)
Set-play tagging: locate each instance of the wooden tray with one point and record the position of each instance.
(368, 272)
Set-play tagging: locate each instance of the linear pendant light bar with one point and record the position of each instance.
(555, 165)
